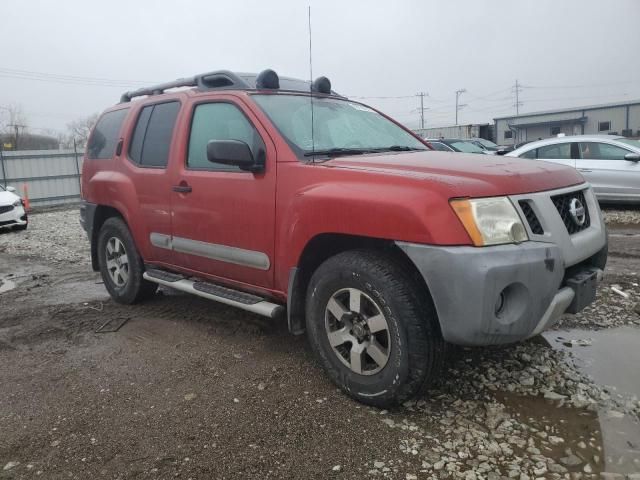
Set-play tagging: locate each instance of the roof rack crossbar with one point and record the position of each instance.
(204, 81)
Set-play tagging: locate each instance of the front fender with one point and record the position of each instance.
(394, 212)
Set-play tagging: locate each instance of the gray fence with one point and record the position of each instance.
(52, 177)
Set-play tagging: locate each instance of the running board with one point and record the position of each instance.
(211, 291)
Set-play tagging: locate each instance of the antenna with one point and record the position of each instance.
(313, 142)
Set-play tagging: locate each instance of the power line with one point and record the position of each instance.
(69, 79)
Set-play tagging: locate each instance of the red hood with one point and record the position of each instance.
(467, 174)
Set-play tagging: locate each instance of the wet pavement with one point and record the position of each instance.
(611, 358)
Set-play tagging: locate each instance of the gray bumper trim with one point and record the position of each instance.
(466, 283)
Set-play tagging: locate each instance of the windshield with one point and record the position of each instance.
(487, 143)
(337, 125)
(466, 147)
(629, 141)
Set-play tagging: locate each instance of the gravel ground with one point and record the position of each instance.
(55, 236)
(220, 393)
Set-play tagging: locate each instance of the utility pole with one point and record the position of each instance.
(518, 103)
(16, 128)
(422, 109)
(458, 104)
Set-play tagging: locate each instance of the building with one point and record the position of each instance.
(483, 130)
(622, 118)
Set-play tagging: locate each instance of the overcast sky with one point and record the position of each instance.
(563, 52)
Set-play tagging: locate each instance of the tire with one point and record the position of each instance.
(412, 342)
(123, 279)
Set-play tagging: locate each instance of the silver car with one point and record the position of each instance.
(610, 163)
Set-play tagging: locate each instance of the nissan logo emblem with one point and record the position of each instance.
(577, 211)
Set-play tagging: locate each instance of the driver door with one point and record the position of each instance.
(223, 218)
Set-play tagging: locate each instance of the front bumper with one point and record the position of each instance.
(14, 217)
(501, 294)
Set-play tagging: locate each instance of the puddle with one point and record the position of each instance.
(611, 358)
(6, 285)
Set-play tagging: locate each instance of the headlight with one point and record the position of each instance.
(490, 221)
(17, 203)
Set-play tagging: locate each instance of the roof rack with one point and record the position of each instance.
(217, 79)
(224, 79)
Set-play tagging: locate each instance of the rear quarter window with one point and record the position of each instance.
(105, 135)
(152, 135)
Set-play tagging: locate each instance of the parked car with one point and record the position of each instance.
(454, 145)
(12, 213)
(348, 227)
(487, 145)
(609, 163)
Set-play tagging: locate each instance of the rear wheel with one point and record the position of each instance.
(120, 263)
(373, 328)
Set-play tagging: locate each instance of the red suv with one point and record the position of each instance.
(283, 198)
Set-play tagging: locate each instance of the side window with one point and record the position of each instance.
(530, 154)
(601, 151)
(105, 135)
(219, 121)
(559, 151)
(152, 135)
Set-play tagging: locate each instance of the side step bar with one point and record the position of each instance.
(211, 291)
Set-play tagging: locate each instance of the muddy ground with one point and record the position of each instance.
(188, 388)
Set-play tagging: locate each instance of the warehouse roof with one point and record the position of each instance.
(573, 109)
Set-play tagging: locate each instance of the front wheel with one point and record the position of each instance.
(120, 263)
(373, 327)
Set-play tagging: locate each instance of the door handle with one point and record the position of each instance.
(184, 187)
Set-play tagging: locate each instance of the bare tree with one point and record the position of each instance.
(78, 132)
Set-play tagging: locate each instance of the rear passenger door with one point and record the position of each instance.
(224, 217)
(604, 166)
(148, 153)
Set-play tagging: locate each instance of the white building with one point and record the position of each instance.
(622, 118)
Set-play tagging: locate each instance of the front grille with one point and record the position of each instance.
(563, 204)
(6, 208)
(532, 218)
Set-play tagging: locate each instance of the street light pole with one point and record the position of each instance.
(458, 105)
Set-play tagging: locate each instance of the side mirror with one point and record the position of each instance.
(233, 152)
(11, 189)
(632, 157)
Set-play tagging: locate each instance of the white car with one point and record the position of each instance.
(610, 163)
(12, 212)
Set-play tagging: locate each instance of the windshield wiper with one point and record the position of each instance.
(398, 148)
(338, 151)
